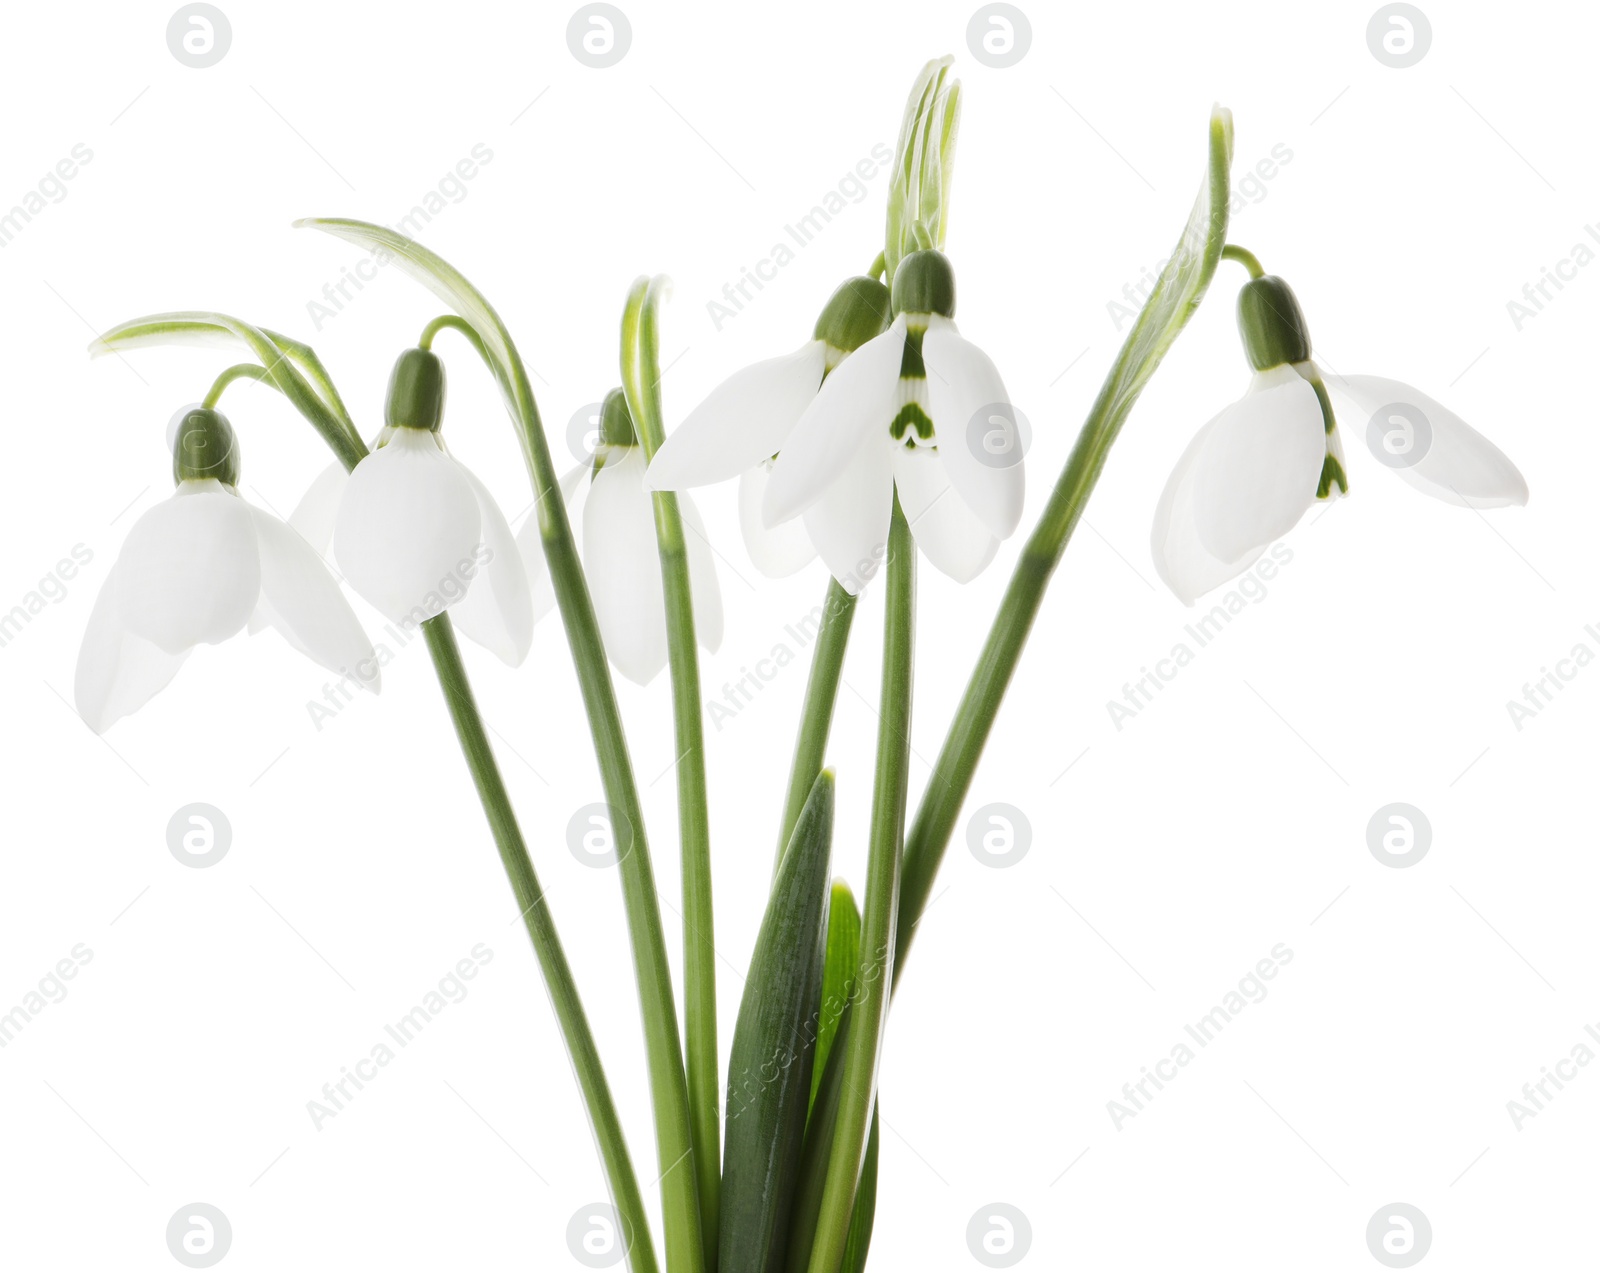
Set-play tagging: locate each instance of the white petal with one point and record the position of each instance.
(856, 402)
(314, 516)
(781, 550)
(850, 523)
(962, 382)
(301, 599)
(1258, 473)
(497, 611)
(624, 568)
(743, 421)
(1246, 478)
(1457, 464)
(408, 528)
(189, 572)
(949, 533)
(118, 672)
(704, 591)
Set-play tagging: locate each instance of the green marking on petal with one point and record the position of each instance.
(911, 365)
(1327, 405)
(1332, 471)
(911, 417)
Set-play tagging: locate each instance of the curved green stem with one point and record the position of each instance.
(1233, 252)
(657, 1008)
(546, 942)
(239, 371)
(816, 714)
(1177, 294)
(876, 269)
(879, 905)
(641, 381)
(284, 362)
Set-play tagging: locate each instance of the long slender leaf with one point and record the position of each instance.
(769, 1071)
(839, 966)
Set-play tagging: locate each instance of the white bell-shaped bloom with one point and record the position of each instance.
(916, 409)
(1245, 480)
(416, 533)
(196, 569)
(738, 429)
(1251, 473)
(744, 422)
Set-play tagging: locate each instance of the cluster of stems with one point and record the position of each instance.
(683, 1066)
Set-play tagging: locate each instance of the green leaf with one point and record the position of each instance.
(1183, 280)
(1177, 294)
(860, 1239)
(769, 1071)
(292, 366)
(839, 966)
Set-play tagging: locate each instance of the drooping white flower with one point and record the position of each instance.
(916, 409)
(1254, 469)
(414, 530)
(197, 569)
(743, 423)
(622, 559)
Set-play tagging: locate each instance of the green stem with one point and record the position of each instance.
(239, 371)
(874, 974)
(325, 412)
(1233, 252)
(816, 715)
(1178, 293)
(641, 378)
(546, 942)
(657, 1008)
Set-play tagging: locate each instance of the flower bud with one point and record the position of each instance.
(416, 392)
(1271, 325)
(854, 314)
(925, 283)
(616, 421)
(204, 446)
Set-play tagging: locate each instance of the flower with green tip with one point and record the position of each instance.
(1255, 468)
(414, 530)
(199, 568)
(621, 558)
(744, 422)
(913, 411)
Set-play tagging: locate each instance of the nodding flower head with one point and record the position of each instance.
(1254, 469)
(200, 567)
(414, 530)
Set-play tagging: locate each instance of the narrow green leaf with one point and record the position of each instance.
(813, 1178)
(839, 966)
(769, 1071)
(860, 1239)
(293, 367)
(1174, 299)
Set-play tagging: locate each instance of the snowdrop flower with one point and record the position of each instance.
(197, 569)
(916, 410)
(742, 425)
(414, 530)
(623, 562)
(1252, 472)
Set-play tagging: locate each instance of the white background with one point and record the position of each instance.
(1166, 858)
